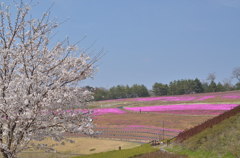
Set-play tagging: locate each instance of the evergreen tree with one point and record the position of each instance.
(237, 86)
(198, 87)
(160, 89)
(212, 87)
(220, 87)
(101, 94)
(139, 91)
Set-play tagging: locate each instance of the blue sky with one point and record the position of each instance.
(148, 41)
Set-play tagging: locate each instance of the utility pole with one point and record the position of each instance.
(163, 130)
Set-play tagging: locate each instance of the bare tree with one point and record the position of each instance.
(38, 82)
(211, 77)
(236, 73)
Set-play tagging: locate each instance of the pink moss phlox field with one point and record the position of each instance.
(205, 98)
(98, 111)
(195, 112)
(183, 107)
(232, 96)
(179, 98)
(182, 98)
(107, 111)
(132, 127)
(116, 100)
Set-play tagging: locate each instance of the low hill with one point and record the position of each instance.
(219, 135)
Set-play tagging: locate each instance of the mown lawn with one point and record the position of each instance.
(198, 153)
(160, 154)
(125, 153)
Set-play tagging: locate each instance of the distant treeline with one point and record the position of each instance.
(177, 87)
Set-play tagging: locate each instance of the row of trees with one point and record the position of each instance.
(179, 87)
(118, 92)
(176, 87)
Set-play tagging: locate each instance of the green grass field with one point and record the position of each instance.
(222, 140)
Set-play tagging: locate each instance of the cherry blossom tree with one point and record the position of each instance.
(39, 93)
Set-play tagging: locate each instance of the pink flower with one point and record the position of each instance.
(179, 98)
(107, 111)
(183, 107)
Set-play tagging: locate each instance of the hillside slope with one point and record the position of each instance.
(221, 138)
(207, 124)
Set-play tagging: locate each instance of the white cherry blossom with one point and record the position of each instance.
(38, 82)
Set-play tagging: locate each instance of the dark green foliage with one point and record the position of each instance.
(220, 87)
(177, 87)
(237, 86)
(180, 87)
(212, 87)
(228, 87)
(101, 94)
(198, 87)
(119, 92)
(139, 91)
(160, 89)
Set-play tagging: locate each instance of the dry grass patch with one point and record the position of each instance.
(84, 145)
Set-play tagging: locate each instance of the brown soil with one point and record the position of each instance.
(171, 121)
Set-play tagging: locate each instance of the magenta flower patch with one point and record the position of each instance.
(185, 98)
(98, 111)
(183, 107)
(178, 98)
(107, 111)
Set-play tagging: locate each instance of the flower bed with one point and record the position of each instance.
(182, 107)
(107, 111)
(101, 111)
(177, 98)
(185, 98)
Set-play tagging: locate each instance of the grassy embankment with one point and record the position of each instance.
(126, 153)
(222, 140)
